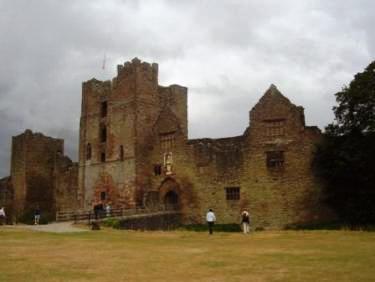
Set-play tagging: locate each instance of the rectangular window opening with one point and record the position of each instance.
(274, 127)
(275, 159)
(232, 193)
(167, 141)
(102, 157)
(157, 169)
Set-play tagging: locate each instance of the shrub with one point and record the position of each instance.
(111, 222)
(28, 217)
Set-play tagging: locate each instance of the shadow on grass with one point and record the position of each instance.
(334, 225)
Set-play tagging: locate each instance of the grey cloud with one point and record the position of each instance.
(227, 53)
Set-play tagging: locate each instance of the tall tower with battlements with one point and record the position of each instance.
(117, 133)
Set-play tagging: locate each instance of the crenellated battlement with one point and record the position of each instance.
(137, 66)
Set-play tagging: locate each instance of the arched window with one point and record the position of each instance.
(88, 151)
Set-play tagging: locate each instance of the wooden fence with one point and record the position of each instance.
(90, 215)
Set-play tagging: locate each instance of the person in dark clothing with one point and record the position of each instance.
(245, 222)
(36, 216)
(97, 210)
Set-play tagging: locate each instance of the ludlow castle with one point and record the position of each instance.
(134, 151)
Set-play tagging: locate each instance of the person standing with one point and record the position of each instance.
(2, 216)
(108, 210)
(36, 216)
(210, 218)
(245, 221)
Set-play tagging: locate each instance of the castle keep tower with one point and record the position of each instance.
(117, 133)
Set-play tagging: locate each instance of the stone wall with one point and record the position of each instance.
(6, 197)
(134, 151)
(161, 221)
(135, 104)
(41, 175)
(160, 166)
(275, 196)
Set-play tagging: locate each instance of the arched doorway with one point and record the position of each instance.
(171, 200)
(169, 193)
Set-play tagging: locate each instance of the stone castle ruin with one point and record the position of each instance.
(134, 151)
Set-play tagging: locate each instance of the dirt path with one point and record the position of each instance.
(56, 227)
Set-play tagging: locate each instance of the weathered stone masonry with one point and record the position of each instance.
(134, 151)
(150, 161)
(41, 176)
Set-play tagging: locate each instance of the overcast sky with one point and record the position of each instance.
(226, 52)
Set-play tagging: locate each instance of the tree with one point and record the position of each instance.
(345, 160)
(355, 113)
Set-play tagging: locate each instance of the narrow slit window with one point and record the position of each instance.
(121, 153)
(88, 151)
(102, 157)
(103, 109)
(103, 134)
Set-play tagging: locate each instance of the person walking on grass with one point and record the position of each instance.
(2, 216)
(210, 218)
(245, 222)
(36, 216)
(108, 210)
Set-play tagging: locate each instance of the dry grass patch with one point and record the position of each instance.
(113, 255)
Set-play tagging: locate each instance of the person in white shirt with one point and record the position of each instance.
(210, 218)
(2, 216)
(108, 210)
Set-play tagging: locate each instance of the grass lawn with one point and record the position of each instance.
(113, 255)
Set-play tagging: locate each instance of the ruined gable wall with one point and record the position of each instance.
(280, 196)
(275, 198)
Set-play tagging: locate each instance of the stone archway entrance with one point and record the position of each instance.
(169, 194)
(171, 201)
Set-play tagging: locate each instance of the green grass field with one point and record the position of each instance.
(113, 255)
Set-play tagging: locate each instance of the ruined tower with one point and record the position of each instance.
(117, 133)
(33, 164)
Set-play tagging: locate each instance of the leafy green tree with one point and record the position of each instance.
(345, 160)
(355, 113)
